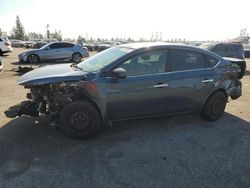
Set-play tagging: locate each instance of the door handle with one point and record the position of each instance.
(160, 85)
(207, 80)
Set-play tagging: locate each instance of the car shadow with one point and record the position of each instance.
(4, 55)
(30, 148)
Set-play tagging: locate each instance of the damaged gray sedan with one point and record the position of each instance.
(127, 82)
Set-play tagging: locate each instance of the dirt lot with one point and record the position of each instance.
(183, 151)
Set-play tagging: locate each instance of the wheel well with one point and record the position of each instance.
(218, 90)
(76, 53)
(83, 97)
(34, 54)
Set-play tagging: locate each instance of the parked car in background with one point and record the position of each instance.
(90, 46)
(225, 49)
(17, 43)
(232, 51)
(28, 44)
(130, 81)
(54, 50)
(39, 44)
(5, 45)
(246, 50)
(1, 66)
(105, 45)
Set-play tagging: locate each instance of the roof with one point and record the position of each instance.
(149, 44)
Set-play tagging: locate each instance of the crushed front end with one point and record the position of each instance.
(45, 99)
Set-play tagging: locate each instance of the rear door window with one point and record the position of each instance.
(186, 60)
(66, 45)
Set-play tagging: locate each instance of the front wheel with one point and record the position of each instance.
(33, 58)
(77, 57)
(80, 119)
(215, 106)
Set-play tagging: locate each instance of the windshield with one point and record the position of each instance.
(207, 46)
(45, 46)
(102, 59)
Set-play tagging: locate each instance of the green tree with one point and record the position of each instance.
(18, 30)
(47, 31)
(1, 32)
(33, 35)
(56, 35)
(80, 40)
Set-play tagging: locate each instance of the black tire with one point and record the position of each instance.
(1, 53)
(80, 119)
(214, 106)
(33, 58)
(76, 57)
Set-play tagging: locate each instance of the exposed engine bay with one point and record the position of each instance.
(46, 99)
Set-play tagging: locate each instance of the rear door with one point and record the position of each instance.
(191, 78)
(66, 50)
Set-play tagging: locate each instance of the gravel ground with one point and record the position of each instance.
(180, 151)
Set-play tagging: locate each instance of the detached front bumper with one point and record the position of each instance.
(29, 107)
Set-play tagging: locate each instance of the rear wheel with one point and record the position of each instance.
(77, 57)
(215, 106)
(80, 119)
(33, 58)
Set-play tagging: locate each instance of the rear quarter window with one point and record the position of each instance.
(210, 61)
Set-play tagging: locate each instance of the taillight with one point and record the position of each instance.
(7, 43)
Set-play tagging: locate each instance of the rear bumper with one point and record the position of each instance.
(6, 49)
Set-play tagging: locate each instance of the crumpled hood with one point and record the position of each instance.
(51, 74)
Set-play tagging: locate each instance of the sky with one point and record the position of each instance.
(181, 19)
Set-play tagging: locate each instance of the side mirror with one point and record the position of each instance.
(119, 73)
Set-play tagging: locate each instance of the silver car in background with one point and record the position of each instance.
(54, 50)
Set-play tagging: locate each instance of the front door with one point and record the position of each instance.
(144, 90)
(55, 51)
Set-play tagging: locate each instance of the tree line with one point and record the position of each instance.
(18, 32)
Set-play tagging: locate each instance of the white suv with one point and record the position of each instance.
(5, 45)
